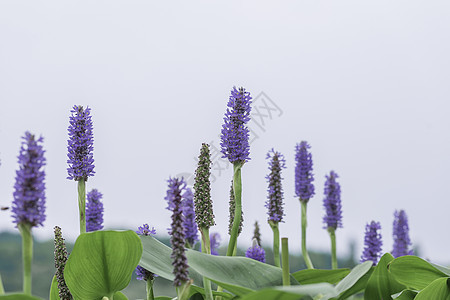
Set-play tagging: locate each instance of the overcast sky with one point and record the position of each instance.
(365, 83)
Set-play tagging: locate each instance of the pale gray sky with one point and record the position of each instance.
(364, 82)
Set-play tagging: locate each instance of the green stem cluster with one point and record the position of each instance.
(332, 232)
(149, 289)
(183, 290)
(82, 204)
(276, 243)
(206, 248)
(285, 261)
(27, 255)
(237, 187)
(305, 254)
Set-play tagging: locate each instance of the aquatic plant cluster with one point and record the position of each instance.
(102, 261)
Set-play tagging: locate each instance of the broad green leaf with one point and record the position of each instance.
(2, 289)
(101, 263)
(238, 275)
(355, 281)
(156, 259)
(414, 272)
(405, 295)
(54, 292)
(438, 289)
(444, 270)
(381, 284)
(195, 289)
(163, 298)
(292, 292)
(309, 276)
(120, 296)
(18, 296)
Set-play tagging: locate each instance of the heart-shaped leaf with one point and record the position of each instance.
(309, 276)
(101, 263)
(414, 272)
(381, 284)
(438, 289)
(318, 290)
(355, 281)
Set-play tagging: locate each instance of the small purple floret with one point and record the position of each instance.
(145, 230)
(304, 188)
(80, 144)
(401, 235)
(190, 227)
(29, 189)
(94, 211)
(257, 253)
(372, 243)
(332, 202)
(214, 241)
(275, 203)
(234, 139)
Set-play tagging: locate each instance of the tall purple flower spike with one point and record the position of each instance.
(28, 206)
(234, 139)
(401, 235)
(190, 227)
(332, 202)
(179, 260)
(80, 144)
(275, 203)
(304, 188)
(372, 243)
(94, 211)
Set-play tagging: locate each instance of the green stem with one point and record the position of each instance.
(183, 290)
(304, 224)
(206, 248)
(27, 255)
(332, 232)
(149, 288)
(237, 188)
(82, 204)
(276, 243)
(285, 261)
(2, 289)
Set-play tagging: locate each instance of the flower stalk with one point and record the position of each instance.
(305, 254)
(276, 243)
(27, 255)
(206, 248)
(82, 204)
(334, 263)
(237, 188)
(285, 261)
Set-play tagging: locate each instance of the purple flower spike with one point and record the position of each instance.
(275, 190)
(94, 211)
(304, 188)
(372, 243)
(256, 252)
(190, 227)
(401, 235)
(81, 144)
(145, 230)
(29, 190)
(179, 260)
(142, 273)
(214, 241)
(332, 202)
(234, 144)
